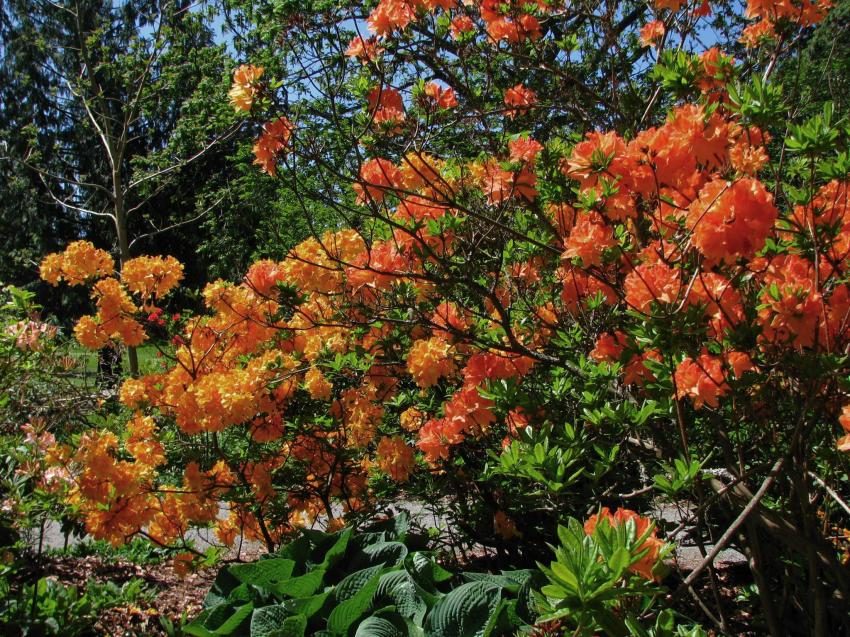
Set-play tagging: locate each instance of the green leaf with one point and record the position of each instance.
(307, 606)
(353, 583)
(220, 620)
(337, 550)
(464, 612)
(300, 586)
(353, 608)
(400, 589)
(378, 627)
(263, 572)
(619, 561)
(275, 621)
(383, 553)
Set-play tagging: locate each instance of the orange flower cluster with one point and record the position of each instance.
(731, 220)
(395, 458)
(702, 380)
(78, 264)
(429, 360)
(518, 100)
(651, 33)
(272, 142)
(386, 108)
(425, 305)
(804, 13)
(151, 277)
(364, 49)
(442, 97)
(244, 89)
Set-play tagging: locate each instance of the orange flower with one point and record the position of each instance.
(756, 34)
(429, 360)
(524, 150)
(316, 383)
(460, 25)
(378, 177)
(88, 333)
(395, 458)
(636, 372)
(364, 49)
(652, 283)
(520, 99)
(244, 88)
(79, 263)
(263, 277)
(386, 107)
(411, 419)
(651, 33)
(390, 16)
(436, 437)
(702, 380)
(442, 97)
(588, 239)
(731, 220)
(152, 277)
(273, 140)
(608, 348)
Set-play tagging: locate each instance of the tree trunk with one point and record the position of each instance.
(123, 243)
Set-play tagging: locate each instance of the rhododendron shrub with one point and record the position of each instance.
(530, 308)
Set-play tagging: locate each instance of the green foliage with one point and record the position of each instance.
(375, 583)
(595, 583)
(49, 607)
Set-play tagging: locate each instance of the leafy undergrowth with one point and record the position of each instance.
(382, 582)
(114, 597)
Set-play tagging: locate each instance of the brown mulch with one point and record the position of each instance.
(173, 597)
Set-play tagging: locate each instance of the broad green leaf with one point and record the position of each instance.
(300, 586)
(464, 612)
(352, 609)
(378, 627)
(275, 621)
(352, 584)
(263, 572)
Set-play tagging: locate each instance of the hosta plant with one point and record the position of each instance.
(375, 583)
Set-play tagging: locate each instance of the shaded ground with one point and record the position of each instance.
(171, 596)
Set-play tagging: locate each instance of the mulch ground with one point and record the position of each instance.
(172, 597)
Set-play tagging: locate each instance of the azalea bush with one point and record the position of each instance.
(580, 261)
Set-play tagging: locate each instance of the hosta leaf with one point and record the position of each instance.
(337, 549)
(399, 588)
(275, 621)
(379, 627)
(465, 612)
(352, 584)
(352, 609)
(263, 572)
(220, 620)
(298, 551)
(307, 606)
(300, 586)
(220, 590)
(425, 570)
(497, 580)
(388, 553)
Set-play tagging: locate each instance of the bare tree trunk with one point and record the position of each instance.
(123, 240)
